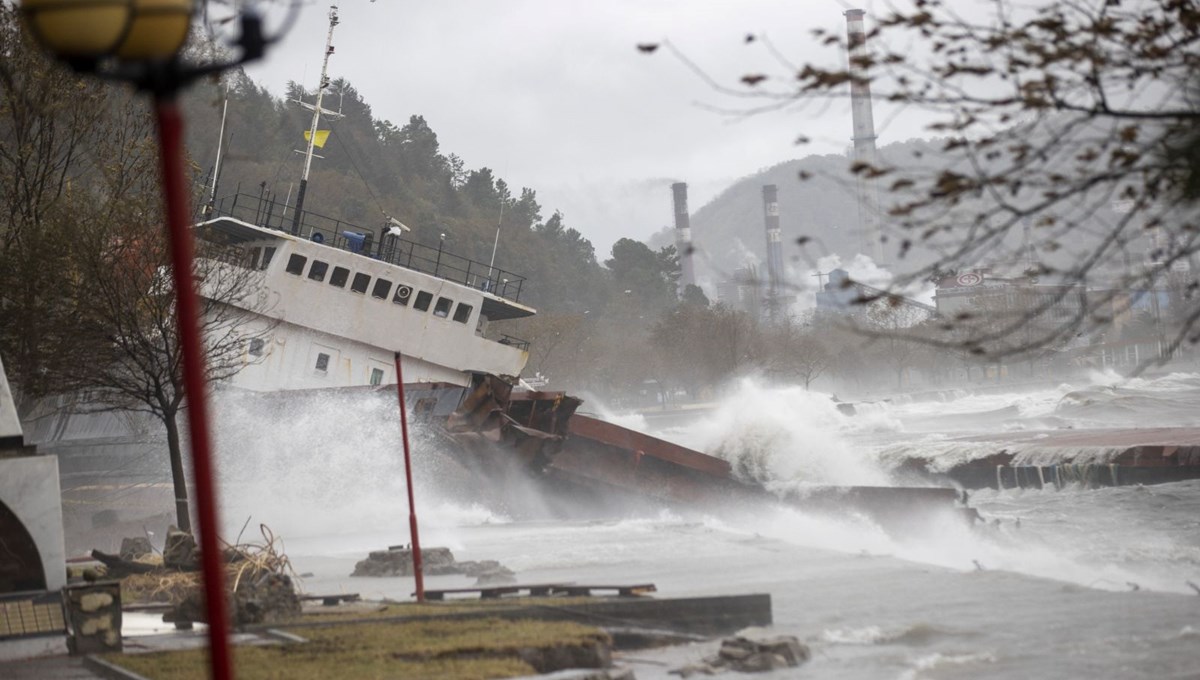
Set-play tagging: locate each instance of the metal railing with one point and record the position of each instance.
(514, 342)
(366, 242)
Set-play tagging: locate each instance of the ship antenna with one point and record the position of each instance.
(316, 119)
(496, 243)
(212, 199)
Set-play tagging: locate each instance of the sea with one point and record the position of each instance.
(1056, 583)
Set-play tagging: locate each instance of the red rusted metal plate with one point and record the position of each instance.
(620, 437)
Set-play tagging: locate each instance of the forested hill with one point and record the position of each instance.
(373, 166)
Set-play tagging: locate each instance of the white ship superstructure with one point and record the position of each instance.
(340, 301)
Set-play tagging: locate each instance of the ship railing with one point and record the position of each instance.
(436, 261)
(512, 341)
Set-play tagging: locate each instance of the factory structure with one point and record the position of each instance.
(763, 291)
(683, 236)
(864, 137)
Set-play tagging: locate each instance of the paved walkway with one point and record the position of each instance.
(47, 668)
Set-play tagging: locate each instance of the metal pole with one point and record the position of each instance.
(412, 506)
(496, 242)
(316, 120)
(212, 199)
(437, 265)
(170, 135)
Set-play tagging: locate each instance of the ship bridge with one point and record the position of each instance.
(241, 218)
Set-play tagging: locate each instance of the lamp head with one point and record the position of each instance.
(89, 30)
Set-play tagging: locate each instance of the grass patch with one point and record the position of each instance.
(450, 650)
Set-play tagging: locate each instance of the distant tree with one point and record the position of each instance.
(645, 274)
(898, 335)
(123, 305)
(86, 303)
(694, 295)
(701, 347)
(52, 124)
(798, 351)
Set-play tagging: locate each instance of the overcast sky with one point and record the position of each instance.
(553, 94)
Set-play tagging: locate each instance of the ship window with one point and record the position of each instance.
(463, 313)
(296, 264)
(376, 376)
(442, 308)
(339, 276)
(256, 346)
(382, 288)
(360, 283)
(268, 255)
(423, 300)
(317, 271)
(322, 362)
(403, 293)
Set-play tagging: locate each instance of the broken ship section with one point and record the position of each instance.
(588, 464)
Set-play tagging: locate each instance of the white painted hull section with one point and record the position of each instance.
(358, 332)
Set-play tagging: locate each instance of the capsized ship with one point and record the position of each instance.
(341, 299)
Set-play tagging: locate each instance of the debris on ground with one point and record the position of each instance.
(135, 548)
(750, 656)
(258, 576)
(398, 561)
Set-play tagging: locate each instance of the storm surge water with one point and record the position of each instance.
(784, 438)
(333, 465)
(1053, 584)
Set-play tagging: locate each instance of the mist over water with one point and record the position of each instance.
(784, 437)
(1023, 596)
(335, 466)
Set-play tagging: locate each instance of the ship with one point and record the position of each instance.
(341, 299)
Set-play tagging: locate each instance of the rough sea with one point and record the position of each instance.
(1071, 583)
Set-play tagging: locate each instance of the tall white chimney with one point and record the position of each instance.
(864, 136)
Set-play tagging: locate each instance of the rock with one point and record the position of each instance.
(271, 598)
(596, 653)
(496, 577)
(691, 669)
(750, 656)
(180, 551)
(397, 561)
(760, 662)
(736, 649)
(133, 548)
(787, 646)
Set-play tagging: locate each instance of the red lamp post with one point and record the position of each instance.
(138, 41)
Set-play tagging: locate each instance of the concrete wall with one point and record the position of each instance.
(29, 487)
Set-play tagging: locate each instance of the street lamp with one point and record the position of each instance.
(81, 31)
(138, 41)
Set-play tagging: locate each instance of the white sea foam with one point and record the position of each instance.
(868, 635)
(783, 437)
(934, 661)
(334, 466)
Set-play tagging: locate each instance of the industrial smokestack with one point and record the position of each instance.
(864, 135)
(683, 236)
(774, 246)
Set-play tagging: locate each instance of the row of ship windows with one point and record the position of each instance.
(258, 346)
(381, 290)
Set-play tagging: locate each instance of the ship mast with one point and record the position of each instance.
(316, 119)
